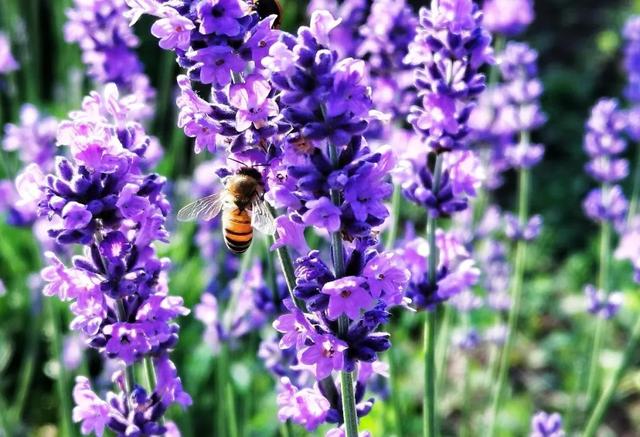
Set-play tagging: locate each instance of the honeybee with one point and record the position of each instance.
(243, 208)
(264, 8)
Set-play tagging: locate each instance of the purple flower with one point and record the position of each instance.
(7, 61)
(524, 155)
(215, 64)
(604, 130)
(207, 312)
(514, 230)
(295, 328)
(102, 199)
(306, 407)
(173, 31)
(220, 17)
(508, 17)
(251, 100)
(34, 138)
(324, 355)
(90, 410)
(605, 169)
(455, 273)
(450, 48)
(602, 304)
(606, 204)
(546, 425)
(347, 296)
(290, 234)
(386, 277)
(466, 340)
(102, 32)
(631, 34)
(323, 213)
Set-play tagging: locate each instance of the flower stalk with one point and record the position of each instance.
(429, 396)
(603, 284)
(516, 292)
(346, 378)
(605, 398)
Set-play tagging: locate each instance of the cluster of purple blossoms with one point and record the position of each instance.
(326, 103)
(450, 49)
(34, 140)
(379, 33)
(631, 34)
(251, 305)
(108, 45)
(508, 110)
(601, 304)
(328, 178)
(455, 274)
(102, 199)
(309, 403)
(508, 17)
(604, 142)
(389, 29)
(7, 61)
(223, 44)
(546, 425)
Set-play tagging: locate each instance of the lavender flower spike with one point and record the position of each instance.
(102, 200)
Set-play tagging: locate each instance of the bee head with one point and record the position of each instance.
(251, 172)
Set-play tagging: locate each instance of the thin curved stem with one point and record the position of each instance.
(396, 204)
(516, 296)
(605, 398)
(603, 284)
(633, 206)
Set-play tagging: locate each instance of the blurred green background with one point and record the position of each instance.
(580, 60)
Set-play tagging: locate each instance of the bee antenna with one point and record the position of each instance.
(239, 162)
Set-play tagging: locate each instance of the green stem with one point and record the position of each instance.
(150, 373)
(494, 72)
(165, 79)
(396, 204)
(337, 253)
(442, 348)
(349, 404)
(231, 410)
(396, 396)
(62, 382)
(603, 284)
(466, 386)
(516, 296)
(27, 366)
(633, 207)
(607, 394)
(271, 271)
(429, 401)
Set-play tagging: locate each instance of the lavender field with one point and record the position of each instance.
(340, 218)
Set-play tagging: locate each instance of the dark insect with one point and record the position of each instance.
(264, 8)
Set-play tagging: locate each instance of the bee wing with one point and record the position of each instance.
(203, 209)
(261, 217)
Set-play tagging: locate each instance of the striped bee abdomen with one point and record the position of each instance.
(237, 230)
